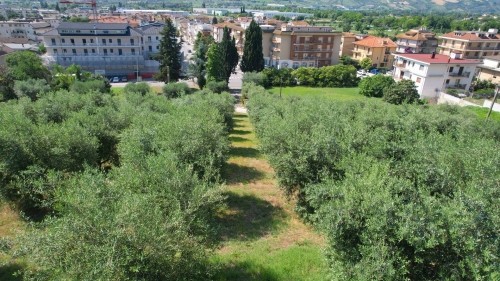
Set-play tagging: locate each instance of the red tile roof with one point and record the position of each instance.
(438, 59)
(374, 42)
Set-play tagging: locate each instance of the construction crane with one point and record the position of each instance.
(90, 2)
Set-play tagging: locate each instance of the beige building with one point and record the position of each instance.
(347, 44)
(470, 44)
(267, 37)
(490, 69)
(235, 31)
(416, 41)
(379, 50)
(294, 46)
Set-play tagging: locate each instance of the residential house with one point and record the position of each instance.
(434, 73)
(379, 50)
(235, 31)
(417, 41)
(470, 44)
(347, 44)
(490, 69)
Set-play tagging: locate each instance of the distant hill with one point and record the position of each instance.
(474, 6)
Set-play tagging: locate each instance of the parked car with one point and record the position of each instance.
(124, 79)
(116, 79)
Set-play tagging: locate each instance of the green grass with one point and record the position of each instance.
(483, 111)
(329, 93)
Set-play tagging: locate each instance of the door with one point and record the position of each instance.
(460, 70)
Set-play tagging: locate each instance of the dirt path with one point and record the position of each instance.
(263, 238)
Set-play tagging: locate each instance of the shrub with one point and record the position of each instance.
(91, 85)
(217, 87)
(31, 88)
(248, 90)
(273, 77)
(374, 86)
(328, 76)
(452, 92)
(253, 77)
(139, 88)
(403, 91)
(175, 90)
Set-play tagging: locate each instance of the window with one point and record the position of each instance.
(93, 51)
(477, 54)
(64, 51)
(73, 51)
(451, 69)
(110, 41)
(368, 50)
(104, 41)
(119, 41)
(72, 41)
(150, 48)
(487, 45)
(133, 52)
(419, 79)
(149, 38)
(85, 51)
(111, 50)
(156, 38)
(132, 42)
(55, 51)
(91, 41)
(157, 47)
(62, 41)
(421, 67)
(53, 41)
(84, 41)
(447, 81)
(119, 52)
(105, 52)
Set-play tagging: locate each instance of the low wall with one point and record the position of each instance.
(445, 98)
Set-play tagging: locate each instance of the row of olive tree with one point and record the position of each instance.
(403, 192)
(121, 187)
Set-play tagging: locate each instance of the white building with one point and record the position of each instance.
(434, 73)
(13, 29)
(152, 38)
(112, 48)
(271, 14)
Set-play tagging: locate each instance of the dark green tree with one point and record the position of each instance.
(26, 65)
(222, 58)
(404, 91)
(57, 6)
(169, 55)
(214, 20)
(253, 58)
(197, 68)
(374, 86)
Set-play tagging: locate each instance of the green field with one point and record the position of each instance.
(329, 93)
(483, 111)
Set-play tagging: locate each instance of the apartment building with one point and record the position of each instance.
(347, 44)
(14, 29)
(416, 42)
(110, 48)
(304, 46)
(434, 73)
(490, 69)
(151, 38)
(379, 50)
(470, 44)
(267, 38)
(235, 31)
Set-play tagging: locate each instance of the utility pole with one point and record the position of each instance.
(168, 74)
(492, 104)
(281, 84)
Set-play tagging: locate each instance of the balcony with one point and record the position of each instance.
(85, 45)
(456, 86)
(463, 74)
(403, 66)
(276, 40)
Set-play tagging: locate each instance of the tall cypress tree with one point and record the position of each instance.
(169, 55)
(214, 20)
(222, 58)
(198, 68)
(253, 58)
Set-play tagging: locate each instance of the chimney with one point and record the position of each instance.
(433, 55)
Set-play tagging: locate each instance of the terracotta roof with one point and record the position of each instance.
(470, 35)
(376, 42)
(229, 25)
(416, 35)
(438, 59)
(299, 23)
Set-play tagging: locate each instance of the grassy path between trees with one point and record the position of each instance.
(262, 237)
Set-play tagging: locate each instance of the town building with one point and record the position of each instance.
(151, 38)
(490, 69)
(434, 73)
(379, 50)
(14, 29)
(267, 38)
(108, 48)
(470, 44)
(304, 46)
(417, 41)
(347, 44)
(235, 31)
